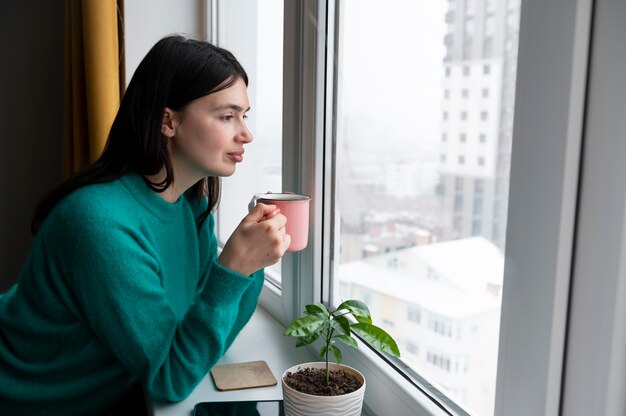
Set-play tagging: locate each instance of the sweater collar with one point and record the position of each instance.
(149, 198)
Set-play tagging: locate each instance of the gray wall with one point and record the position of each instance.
(147, 21)
(31, 121)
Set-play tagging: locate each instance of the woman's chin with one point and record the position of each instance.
(224, 173)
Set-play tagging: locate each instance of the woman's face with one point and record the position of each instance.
(208, 135)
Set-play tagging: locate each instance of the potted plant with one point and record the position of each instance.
(323, 388)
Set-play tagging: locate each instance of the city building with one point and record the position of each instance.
(444, 314)
(477, 116)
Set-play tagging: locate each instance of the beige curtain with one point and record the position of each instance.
(94, 77)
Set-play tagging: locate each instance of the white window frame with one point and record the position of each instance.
(543, 193)
(542, 234)
(595, 374)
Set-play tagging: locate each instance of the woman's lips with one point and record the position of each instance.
(236, 156)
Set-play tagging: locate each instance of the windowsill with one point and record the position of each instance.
(261, 339)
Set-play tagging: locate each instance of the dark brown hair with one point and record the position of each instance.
(175, 72)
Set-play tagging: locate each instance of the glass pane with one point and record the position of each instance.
(423, 142)
(258, 45)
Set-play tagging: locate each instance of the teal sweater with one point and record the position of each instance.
(120, 286)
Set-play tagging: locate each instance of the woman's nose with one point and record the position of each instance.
(245, 135)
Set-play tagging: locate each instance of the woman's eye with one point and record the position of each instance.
(231, 116)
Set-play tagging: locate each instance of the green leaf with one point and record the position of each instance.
(336, 353)
(316, 308)
(304, 326)
(309, 339)
(358, 309)
(341, 325)
(348, 340)
(378, 338)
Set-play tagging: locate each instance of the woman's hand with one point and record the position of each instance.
(258, 241)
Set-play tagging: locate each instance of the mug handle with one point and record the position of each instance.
(256, 197)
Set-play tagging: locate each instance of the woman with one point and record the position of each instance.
(123, 284)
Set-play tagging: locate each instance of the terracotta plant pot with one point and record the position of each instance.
(303, 404)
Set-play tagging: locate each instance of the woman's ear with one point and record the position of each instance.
(168, 125)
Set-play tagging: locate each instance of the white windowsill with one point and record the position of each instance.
(261, 339)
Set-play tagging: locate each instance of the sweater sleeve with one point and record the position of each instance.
(249, 298)
(247, 305)
(115, 279)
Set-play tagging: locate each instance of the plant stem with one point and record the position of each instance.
(329, 335)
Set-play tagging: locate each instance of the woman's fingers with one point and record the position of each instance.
(260, 240)
(259, 212)
(278, 220)
(286, 243)
(271, 215)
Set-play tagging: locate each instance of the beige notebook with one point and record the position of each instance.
(242, 375)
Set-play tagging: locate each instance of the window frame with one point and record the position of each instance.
(529, 372)
(303, 153)
(539, 250)
(597, 328)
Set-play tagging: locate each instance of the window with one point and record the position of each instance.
(490, 25)
(468, 37)
(469, 27)
(458, 203)
(414, 315)
(486, 69)
(495, 231)
(478, 205)
(488, 47)
(412, 347)
(512, 21)
(479, 186)
(448, 40)
(439, 360)
(449, 17)
(259, 50)
(468, 45)
(482, 138)
(509, 44)
(481, 161)
(444, 137)
(458, 184)
(485, 92)
(364, 192)
(477, 226)
(484, 115)
(440, 325)
(457, 224)
(543, 28)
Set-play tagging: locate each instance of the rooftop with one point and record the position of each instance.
(455, 286)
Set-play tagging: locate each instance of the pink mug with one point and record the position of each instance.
(293, 206)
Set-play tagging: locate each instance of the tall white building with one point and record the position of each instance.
(441, 302)
(477, 116)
